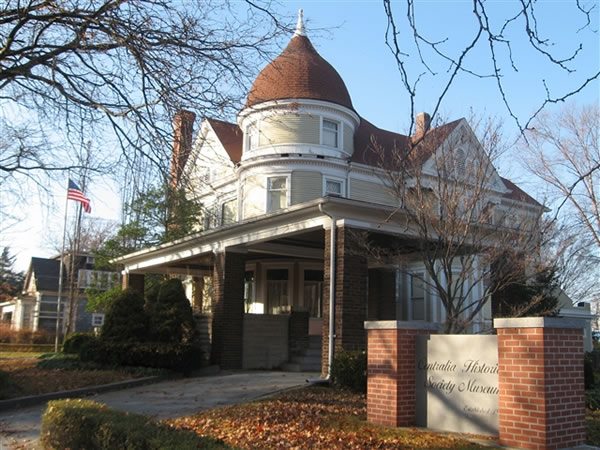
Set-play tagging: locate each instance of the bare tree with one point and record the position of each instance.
(474, 232)
(487, 48)
(562, 150)
(115, 71)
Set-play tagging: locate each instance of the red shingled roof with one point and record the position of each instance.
(516, 193)
(299, 72)
(381, 148)
(230, 136)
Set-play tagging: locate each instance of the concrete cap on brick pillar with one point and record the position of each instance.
(401, 325)
(539, 322)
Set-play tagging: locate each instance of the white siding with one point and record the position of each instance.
(371, 192)
(289, 129)
(306, 186)
(253, 196)
(348, 139)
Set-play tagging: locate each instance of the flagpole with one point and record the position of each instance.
(60, 276)
(72, 270)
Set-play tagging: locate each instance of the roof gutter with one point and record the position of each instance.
(332, 272)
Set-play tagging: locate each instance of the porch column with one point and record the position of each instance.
(351, 275)
(228, 309)
(133, 281)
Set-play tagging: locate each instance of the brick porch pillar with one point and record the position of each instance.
(392, 371)
(133, 281)
(351, 275)
(540, 378)
(228, 309)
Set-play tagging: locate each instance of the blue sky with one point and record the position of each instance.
(351, 36)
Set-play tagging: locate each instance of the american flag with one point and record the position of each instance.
(74, 193)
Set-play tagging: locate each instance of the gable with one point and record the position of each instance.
(459, 156)
(217, 148)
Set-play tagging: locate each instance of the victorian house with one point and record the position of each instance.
(284, 188)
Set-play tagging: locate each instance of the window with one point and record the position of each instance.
(251, 136)
(334, 188)
(277, 193)
(330, 133)
(277, 291)
(249, 293)
(98, 279)
(229, 212)
(313, 289)
(417, 296)
(460, 162)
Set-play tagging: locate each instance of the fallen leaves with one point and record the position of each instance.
(315, 418)
(27, 379)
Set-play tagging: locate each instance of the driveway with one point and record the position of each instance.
(20, 428)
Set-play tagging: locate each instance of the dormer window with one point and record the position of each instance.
(329, 133)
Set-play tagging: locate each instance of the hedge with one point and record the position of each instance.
(349, 370)
(75, 341)
(85, 424)
(160, 355)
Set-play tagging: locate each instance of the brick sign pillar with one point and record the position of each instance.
(392, 370)
(541, 400)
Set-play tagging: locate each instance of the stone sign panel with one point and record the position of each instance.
(457, 383)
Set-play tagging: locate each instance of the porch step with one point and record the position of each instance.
(309, 360)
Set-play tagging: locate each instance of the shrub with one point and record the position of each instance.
(170, 313)
(349, 371)
(80, 424)
(125, 320)
(173, 356)
(74, 341)
(11, 336)
(588, 371)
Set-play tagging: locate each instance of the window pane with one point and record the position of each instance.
(333, 187)
(277, 183)
(328, 124)
(229, 212)
(330, 133)
(277, 195)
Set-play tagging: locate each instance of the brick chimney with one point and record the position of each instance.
(422, 124)
(183, 127)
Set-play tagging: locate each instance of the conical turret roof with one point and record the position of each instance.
(299, 72)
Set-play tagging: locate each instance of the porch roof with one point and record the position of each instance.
(259, 233)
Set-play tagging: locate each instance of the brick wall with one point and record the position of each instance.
(391, 373)
(541, 385)
(134, 281)
(228, 310)
(351, 296)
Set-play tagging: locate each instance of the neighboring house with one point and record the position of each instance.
(36, 308)
(282, 189)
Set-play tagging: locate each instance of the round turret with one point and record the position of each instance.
(299, 72)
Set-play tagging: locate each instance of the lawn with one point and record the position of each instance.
(23, 376)
(316, 418)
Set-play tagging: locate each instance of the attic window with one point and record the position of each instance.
(330, 133)
(460, 162)
(333, 187)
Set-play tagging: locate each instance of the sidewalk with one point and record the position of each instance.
(19, 429)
